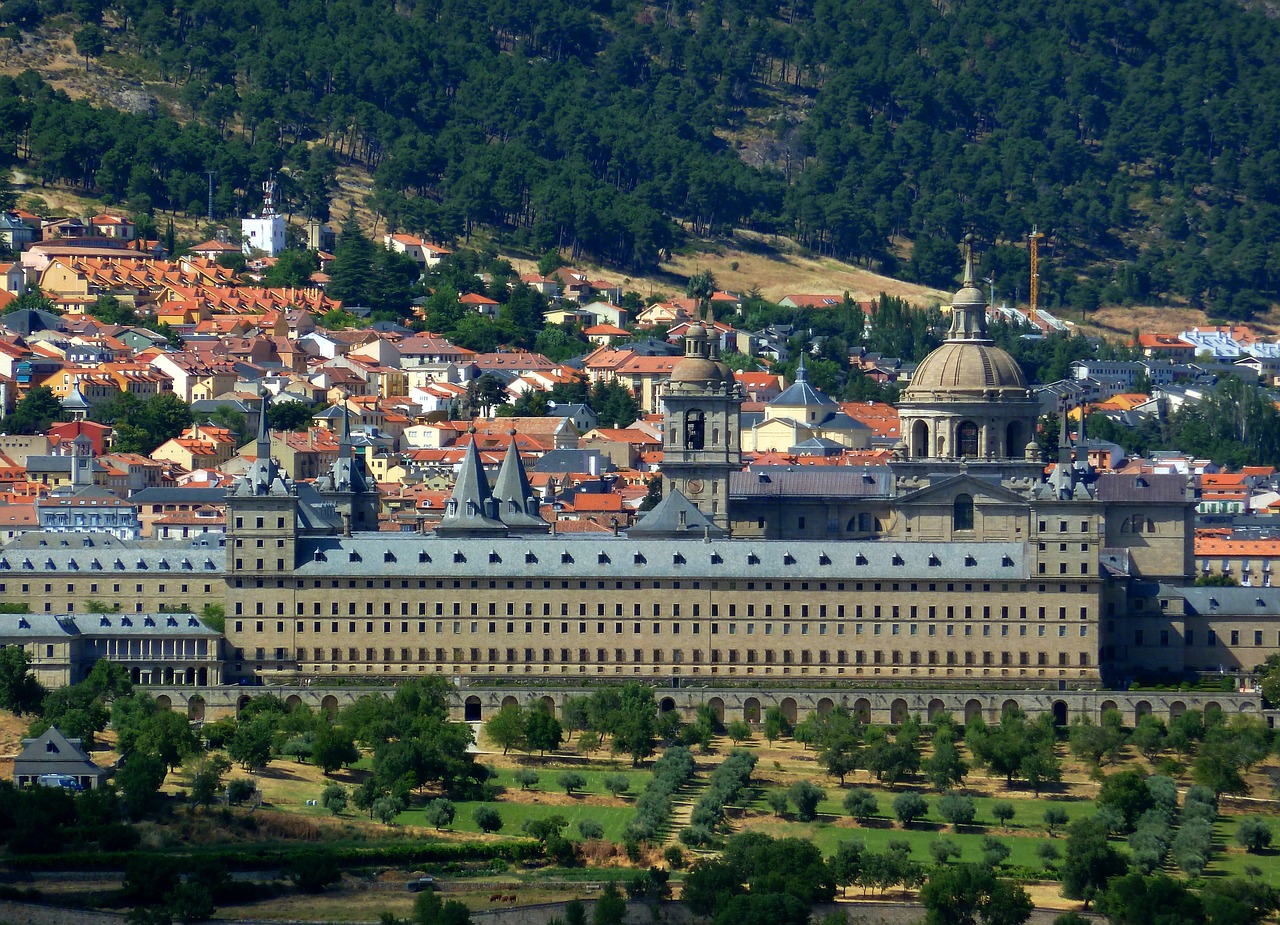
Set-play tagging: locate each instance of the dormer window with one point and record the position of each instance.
(530, 558)
(602, 558)
(934, 560)
(566, 558)
(423, 556)
(678, 559)
(458, 556)
(388, 556)
(970, 561)
(639, 558)
(493, 556)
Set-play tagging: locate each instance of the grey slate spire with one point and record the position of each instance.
(264, 433)
(518, 506)
(471, 509)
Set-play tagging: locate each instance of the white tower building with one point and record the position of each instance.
(264, 234)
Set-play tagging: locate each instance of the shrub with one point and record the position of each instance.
(590, 828)
(909, 807)
(439, 813)
(674, 857)
(943, 850)
(571, 781)
(1048, 853)
(526, 778)
(334, 798)
(861, 803)
(239, 790)
(1055, 817)
(385, 809)
(1002, 812)
(738, 731)
(806, 796)
(617, 784)
(1253, 834)
(696, 836)
(488, 819)
(994, 851)
(777, 800)
(956, 809)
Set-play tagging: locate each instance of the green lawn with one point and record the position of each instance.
(594, 777)
(1028, 813)
(613, 818)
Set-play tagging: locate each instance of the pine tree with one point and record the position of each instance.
(351, 277)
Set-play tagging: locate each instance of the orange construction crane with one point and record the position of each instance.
(1033, 240)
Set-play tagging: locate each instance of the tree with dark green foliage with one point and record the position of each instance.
(507, 728)
(289, 416)
(1143, 899)
(110, 310)
(139, 782)
(352, 274)
(776, 724)
(610, 908)
(141, 425)
(34, 412)
(487, 819)
(635, 723)
(963, 894)
(1090, 862)
(805, 796)
(20, 692)
(333, 748)
(909, 807)
(292, 269)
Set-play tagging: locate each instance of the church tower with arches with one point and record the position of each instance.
(702, 442)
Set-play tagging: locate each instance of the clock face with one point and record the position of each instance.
(695, 486)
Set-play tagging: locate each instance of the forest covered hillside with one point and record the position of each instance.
(1140, 136)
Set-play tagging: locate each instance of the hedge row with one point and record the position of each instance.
(653, 807)
(271, 858)
(726, 785)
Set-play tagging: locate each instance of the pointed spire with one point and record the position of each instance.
(968, 263)
(471, 508)
(517, 504)
(264, 433)
(345, 437)
(802, 374)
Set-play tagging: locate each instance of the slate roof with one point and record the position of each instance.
(1153, 488)
(599, 556)
(1244, 602)
(179, 496)
(675, 515)
(811, 482)
(51, 752)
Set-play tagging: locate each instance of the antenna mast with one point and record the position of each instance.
(211, 174)
(1034, 240)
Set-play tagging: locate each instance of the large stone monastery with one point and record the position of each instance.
(958, 564)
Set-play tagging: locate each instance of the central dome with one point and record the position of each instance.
(966, 370)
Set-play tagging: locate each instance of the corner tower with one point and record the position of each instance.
(701, 443)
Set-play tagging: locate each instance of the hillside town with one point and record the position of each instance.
(218, 340)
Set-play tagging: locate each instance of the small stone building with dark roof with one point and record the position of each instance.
(53, 753)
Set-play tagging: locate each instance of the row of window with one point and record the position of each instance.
(659, 656)
(473, 609)
(1211, 637)
(877, 629)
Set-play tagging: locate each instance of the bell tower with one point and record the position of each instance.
(702, 404)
